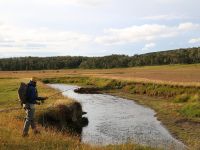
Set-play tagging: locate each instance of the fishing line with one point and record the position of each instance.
(17, 108)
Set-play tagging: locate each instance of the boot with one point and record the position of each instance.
(25, 135)
(36, 131)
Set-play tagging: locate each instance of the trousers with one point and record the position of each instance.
(29, 120)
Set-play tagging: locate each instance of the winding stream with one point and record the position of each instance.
(114, 120)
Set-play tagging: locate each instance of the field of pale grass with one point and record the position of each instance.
(186, 75)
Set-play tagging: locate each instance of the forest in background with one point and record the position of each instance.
(178, 56)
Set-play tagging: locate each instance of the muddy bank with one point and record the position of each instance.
(83, 90)
(64, 117)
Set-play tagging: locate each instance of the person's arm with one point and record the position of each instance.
(38, 97)
(41, 98)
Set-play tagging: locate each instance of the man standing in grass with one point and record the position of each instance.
(32, 97)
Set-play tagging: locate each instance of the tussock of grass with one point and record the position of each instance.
(182, 98)
(60, 112)
(187, 98)
(191, 106)
(191, 110)
(195, 98)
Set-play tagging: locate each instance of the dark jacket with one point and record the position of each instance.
(32, 94)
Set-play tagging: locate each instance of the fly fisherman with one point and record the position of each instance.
(32, 99)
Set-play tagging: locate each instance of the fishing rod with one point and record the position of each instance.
(59, 93)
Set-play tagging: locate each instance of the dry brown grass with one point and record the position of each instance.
(187, 75)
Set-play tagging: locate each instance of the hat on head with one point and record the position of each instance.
(34, 79)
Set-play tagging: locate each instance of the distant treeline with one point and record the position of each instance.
(179, 56)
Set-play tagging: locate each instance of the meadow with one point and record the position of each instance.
(172, 91)
(169, 74)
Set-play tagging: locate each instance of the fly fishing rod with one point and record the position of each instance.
(59, 93)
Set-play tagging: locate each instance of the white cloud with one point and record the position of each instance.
(18, 39)
(147, 32)
(31, 41)
(194, 41)
(135, 34)
(168, 1)
(67, 2)
(166, 17)
(90, 3)
(74, 2)
(148, 46)
(188, 26)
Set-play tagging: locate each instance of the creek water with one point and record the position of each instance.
(115, 120)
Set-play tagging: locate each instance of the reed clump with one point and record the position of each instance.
(191, 110)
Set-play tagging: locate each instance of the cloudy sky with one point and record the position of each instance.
(96, 27)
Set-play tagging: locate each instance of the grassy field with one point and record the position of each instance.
(172, 91)
(11, 123)
(187, 75)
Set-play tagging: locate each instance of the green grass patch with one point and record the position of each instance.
(8, 92)
(191, 110)
(182, 98)
(195, 98)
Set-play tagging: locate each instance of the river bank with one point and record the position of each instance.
(176, 106)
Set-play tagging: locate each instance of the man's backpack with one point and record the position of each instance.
(22, 93)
